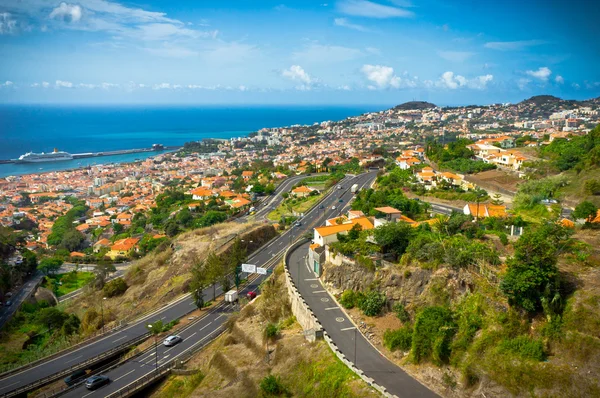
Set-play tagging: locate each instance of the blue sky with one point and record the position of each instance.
(301, 52)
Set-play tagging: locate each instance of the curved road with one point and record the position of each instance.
(180, 307)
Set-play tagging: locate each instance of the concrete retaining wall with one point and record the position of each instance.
(310, 323)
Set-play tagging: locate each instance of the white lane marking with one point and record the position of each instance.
(164, 317)
(320, 291)
(74, 359)
(205, 326)
(192, 303)
(313, 279)
(83, 396)
(332, 308)
(345, 329)
(16, 382)
(128, 373)
(219, 316)
(120, 338)
(191, 335)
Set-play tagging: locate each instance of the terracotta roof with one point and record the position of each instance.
(364, 222)
(124, 244)
(388, 210)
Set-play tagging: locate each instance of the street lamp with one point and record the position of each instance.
(102, 310)
(155, 347)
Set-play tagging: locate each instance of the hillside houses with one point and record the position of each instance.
(430, 178)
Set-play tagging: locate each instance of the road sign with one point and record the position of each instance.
(251, 268)
(261, 271)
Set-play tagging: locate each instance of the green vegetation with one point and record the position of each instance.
(62, 284)
(64, 235)
(401, 312)
(432, 336)
(292, 204)
(399, 339)
(585, 210)
(456, 157)
(271, 331)
(203, 146)
(114, 288)
(271, 386)
(525, 347)
(576, 153)
(370, 303)
(50, 265)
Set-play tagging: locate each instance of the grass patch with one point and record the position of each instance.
(302, 205)
(62, 284)
(181, 386)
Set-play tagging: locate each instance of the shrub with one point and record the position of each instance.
(271, 385)
(401, 312)
(398, 339)
(433, 332)
(372, 303)
(523, 346)
(271, 331)
(503, 238)
(115, 287)
(347, 299)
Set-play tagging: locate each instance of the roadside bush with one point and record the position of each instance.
(271, 385)
(271, 331)
(503, 238)
(115, 287)
(399, 339)
(401, 312)
(432, 335)
(525, 347)
(372, 303)
(347, 299)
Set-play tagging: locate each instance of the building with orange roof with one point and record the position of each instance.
(328, 234)
(202, 193)
(123, 248)
(303, 191)
(77, 254)
(101, 244)
(247, 175)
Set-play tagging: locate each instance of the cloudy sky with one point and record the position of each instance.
(301, 52)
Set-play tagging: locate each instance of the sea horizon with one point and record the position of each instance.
(84, 128)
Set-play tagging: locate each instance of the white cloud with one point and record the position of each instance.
(559, 79)
(542, 73)
(455, 56)
(45, 84)
(296, 73)
(480, 82)
(576, 86)
(452, 81)
(86, 85)
(67, 12)
(8, 25)
(369, 9)
(172, 51)
(513, 45)
(318, 53)
(345, 87)
(522, 83)
(347, 24)
(7, 84)
(162, 86)
(381, 76)
(63, 84)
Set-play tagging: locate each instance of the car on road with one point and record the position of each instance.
(172, 340)
(251, 295)
(298, 224)
(321, 207)
(96, 381)
(549, 201)
(333, 207)
(341, 200)
(75, 377)
(8, 303)
(339, 187)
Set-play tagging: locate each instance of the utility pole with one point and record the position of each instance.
(102, 310)
(355, 347)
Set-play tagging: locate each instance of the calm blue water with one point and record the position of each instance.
(78, 129)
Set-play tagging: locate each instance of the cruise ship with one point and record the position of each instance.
(55, 156)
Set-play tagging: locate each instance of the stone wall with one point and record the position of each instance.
(312, 327)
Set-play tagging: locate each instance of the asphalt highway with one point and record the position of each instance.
(346, 337)
(182, 306)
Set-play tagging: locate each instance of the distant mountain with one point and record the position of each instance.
(541, 100)
(414, 105)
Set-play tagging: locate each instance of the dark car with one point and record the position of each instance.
(75, 377)
(96, 381)
(251, 295)
(321, 207)
(8, 303)
(341, 200)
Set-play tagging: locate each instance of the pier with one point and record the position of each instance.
(111, 153)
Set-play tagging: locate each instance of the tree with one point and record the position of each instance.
(585, 210)
(497, 200)
(213, 267)
(198, 283)
(115, 287)
(354, 232)
(394, 237)
(532, 272)
(102, 273)
(50, 265)
(117, 228)
(52, 318)
(72, 240)
(171, 229)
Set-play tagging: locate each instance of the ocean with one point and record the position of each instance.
(80, 129)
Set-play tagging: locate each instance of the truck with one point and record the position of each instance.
(354, 188)
(231, 296)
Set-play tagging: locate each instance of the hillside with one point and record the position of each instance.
(237, 364)
(414, 105)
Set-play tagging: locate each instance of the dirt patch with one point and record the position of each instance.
(496, 180)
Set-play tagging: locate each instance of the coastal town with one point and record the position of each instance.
(504, 136)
